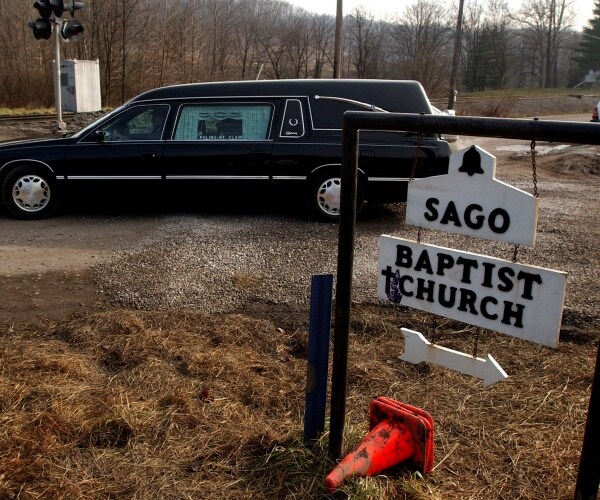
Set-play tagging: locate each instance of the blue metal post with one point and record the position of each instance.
(318, 355)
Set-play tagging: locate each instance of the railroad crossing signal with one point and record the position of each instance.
(51, 11)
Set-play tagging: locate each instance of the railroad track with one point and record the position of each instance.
(10, 119)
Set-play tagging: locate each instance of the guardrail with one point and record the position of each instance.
(524, 129)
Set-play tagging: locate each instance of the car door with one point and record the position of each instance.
(128, 147)
(293, 155)
(221, 141)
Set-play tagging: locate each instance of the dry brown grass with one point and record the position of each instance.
(128, 404)
(513, 106)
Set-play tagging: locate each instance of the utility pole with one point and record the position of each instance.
(337, 55)
(457, 41)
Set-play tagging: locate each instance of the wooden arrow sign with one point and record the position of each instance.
(417, 349)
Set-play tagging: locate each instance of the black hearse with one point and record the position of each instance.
(280, 133)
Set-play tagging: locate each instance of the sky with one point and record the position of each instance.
(383, 8)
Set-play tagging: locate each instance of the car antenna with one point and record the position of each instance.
(370, 107)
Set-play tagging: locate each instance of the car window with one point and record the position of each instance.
(224, 122)
(137, 123)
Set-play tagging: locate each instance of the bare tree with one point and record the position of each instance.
(112, 26)
(545, 24)
(486, 49)
(246, 41)
(272, 37)
(297, 44)
(323, 33)
(365, 34)
(26, 73)
(424, 39)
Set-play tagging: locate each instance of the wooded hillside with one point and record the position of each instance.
(143, 44)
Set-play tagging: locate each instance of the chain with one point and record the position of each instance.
(534, 169)
(414, 172)
(535, 183)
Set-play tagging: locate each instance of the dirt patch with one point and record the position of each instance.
(38, 298)
(573, 164)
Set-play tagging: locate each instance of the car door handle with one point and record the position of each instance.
(258, 155)
(285, 162)
(147, 155)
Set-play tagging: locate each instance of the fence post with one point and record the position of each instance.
(318, 355)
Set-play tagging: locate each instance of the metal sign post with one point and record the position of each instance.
(60, 125)
(539, 130)
(343, 292)
(588, 479)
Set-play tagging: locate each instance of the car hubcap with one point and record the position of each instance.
(31, 193)
(328, 196)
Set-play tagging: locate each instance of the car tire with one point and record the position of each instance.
(323, 197)
(30, 192)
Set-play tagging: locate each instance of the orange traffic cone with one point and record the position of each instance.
(399, 433)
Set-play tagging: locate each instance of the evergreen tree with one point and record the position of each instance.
(589, 46)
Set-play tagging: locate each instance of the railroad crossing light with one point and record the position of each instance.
(71, 30)
(42, 26)
(72, 6)
(60, 6)
(44, 8)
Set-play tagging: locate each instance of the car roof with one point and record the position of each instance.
(407, 96)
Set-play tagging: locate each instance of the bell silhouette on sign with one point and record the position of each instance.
(471, 162)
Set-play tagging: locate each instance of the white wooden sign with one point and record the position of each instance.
(519, 300)
(418, 349)
(469, 200)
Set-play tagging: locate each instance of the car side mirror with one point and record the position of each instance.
(99, 136)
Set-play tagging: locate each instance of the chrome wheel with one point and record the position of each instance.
(31, 193)
(328, 196)
(324, 196)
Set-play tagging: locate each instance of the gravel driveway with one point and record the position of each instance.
(220, 263)
(214, 262)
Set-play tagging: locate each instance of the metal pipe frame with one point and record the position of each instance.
(524, 129)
